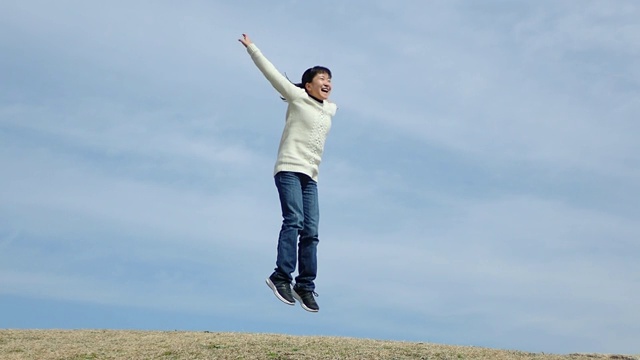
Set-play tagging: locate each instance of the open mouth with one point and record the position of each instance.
(325, 90)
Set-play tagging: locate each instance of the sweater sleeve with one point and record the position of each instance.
(288, 90)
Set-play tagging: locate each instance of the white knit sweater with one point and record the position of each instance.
(307, 123)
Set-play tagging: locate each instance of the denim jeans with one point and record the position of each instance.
(300, 216)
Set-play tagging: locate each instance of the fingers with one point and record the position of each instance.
(245, 40)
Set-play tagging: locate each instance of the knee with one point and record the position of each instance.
(293, 220)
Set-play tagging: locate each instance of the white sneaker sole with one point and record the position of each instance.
(297, 297)
(275, 292)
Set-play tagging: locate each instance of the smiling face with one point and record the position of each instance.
(320, 86)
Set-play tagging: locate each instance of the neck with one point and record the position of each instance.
(315, 98)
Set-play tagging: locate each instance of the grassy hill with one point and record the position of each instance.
(177, 345)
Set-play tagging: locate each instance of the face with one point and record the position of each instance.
(320, 86)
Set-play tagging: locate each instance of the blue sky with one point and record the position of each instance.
(479, 184)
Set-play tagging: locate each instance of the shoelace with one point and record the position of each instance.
(312, 293)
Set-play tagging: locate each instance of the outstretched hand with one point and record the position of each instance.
(245, 40)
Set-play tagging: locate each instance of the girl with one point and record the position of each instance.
(307, 124)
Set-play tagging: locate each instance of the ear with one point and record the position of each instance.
(307, 86)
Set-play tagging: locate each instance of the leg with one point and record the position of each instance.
(307, 247)
(291, 202)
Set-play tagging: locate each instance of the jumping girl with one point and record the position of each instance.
(307, 124)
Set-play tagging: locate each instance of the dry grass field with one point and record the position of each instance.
(177, 345)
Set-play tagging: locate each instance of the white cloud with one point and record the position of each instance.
(500, 92)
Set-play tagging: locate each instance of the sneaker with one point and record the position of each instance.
(282, 290)
(306, 299)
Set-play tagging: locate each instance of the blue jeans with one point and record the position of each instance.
(300, 217)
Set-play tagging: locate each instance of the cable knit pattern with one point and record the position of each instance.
(307, 122)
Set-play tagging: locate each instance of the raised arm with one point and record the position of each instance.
(288, 90)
